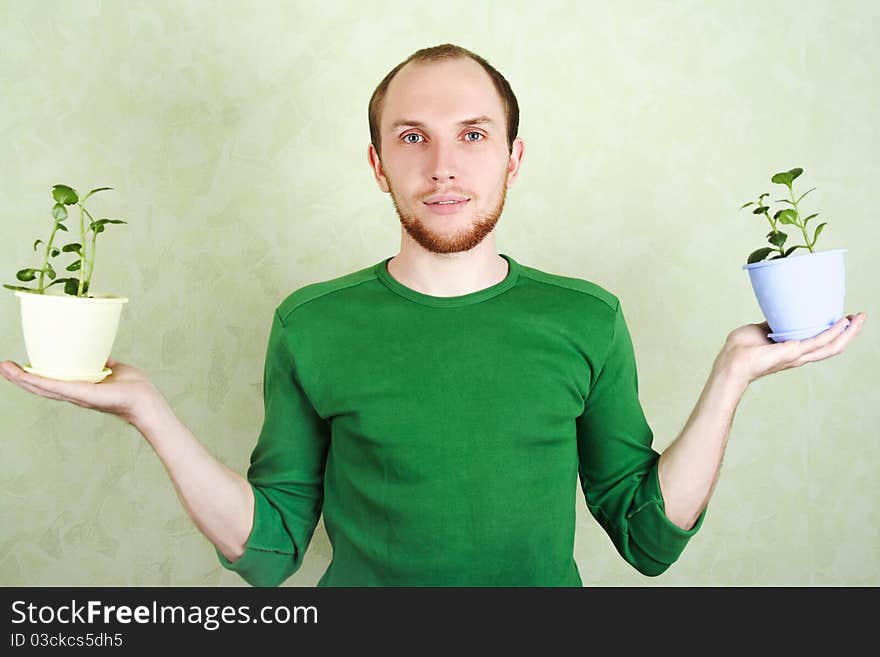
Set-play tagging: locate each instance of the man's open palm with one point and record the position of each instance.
(756, 355)
(121, 393)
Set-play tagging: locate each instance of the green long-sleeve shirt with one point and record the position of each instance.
(444, 437)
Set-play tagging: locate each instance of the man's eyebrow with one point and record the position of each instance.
(410, 123)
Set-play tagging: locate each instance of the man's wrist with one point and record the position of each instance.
(148, 412)
(730, 369)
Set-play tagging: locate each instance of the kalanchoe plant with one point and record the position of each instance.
(85, 264)
(787, 216)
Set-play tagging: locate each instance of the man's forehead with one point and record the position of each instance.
(455, 92)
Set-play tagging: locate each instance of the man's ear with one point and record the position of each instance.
(514, 161)
(376, 165)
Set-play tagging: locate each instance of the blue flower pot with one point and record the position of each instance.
(800, 296)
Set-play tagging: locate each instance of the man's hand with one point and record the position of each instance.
(689, 467)
(124, 392)
(752, 354)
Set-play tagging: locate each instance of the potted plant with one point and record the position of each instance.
(69, 335)
(800, 296)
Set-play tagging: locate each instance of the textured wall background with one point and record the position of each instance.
(235, 135)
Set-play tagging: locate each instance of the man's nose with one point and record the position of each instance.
(442, 164)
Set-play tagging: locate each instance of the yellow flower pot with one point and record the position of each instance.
(67, 337)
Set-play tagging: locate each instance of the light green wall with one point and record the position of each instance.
(235, 134)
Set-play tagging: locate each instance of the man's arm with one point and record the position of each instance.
(219, 501)
(260, 526)
(689, 467)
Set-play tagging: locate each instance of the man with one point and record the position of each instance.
(441, 406)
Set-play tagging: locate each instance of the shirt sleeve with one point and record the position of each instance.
(618, 466)
(286, 472)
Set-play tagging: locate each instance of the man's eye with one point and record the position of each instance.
(413, 134)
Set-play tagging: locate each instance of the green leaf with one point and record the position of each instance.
(761, 198)
(804, 194)
(810, 217)
(99, 189)
(72, 247)
(777, 257)
(49, 271)
(104, 222)
(778, 238)
(784, 200)
(71, 285)
(760, 210)
(62, 227)
(786, 177)
(73, 266)
(817, 233)
(65, 281)
(18, 287)
(745, 205)
(64, 194)
(759, 254)
(37, 242)
(54, 252)
(59, 212)
(792, 249)
(788, 217)
(26, 274)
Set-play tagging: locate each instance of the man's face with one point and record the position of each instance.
(443, 157)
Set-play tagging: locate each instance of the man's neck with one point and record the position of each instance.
(448, 274)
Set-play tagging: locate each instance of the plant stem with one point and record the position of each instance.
(91, 261)
(798, 216)
(773, 226)
(82, 233)
(46, 257)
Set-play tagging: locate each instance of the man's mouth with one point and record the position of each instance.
(446, 199)
(447, 206)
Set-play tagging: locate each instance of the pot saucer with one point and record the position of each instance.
(802, 334)
(88, 378)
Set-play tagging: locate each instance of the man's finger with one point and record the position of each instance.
(26, 385)
(825, 337)
(837, 344)
(65, 390)
(9, 368)
(793, 352)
